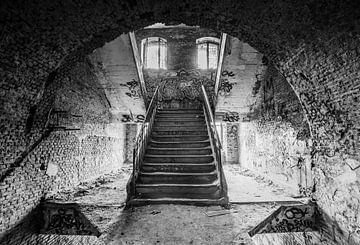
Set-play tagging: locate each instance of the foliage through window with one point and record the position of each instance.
(208, 51)
(153, 52)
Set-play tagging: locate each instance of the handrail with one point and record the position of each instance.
(215, 140)
(209, 112)
(142, 140)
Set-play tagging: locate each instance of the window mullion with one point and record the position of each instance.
(207, 55)
(158, 53)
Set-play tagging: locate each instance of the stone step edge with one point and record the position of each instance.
(216, 183)
(183, 201)
(177, 173)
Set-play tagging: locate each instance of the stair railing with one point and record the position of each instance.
(215, 141)
(142, 139)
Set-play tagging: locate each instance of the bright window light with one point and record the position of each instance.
(208, 51)
(153, 52)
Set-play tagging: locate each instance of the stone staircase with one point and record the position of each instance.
(179, 164)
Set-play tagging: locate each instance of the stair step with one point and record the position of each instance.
(176, 178)
(197, 191)
(170, 138)
(176, 116)
(160, 112)
(178, 133)
(185, 201)
(178, 151)
(179, 123)
(178, 167)
(179, 128)
(179, 158)
(180, 119)
(184, 144)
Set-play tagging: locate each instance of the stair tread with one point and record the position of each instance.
(180, 174)
(178, 149)
(177, 199)
(213, 184)
(180, 156)
(181, 200)
(178, 142)
(183, 136)
(177, 164)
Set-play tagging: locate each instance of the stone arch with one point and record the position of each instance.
(314, 44)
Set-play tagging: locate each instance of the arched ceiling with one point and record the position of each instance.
(302, 38)
(315, 44)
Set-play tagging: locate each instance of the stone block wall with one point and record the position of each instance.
(315, 45)
(76, 141)
(327, 80)
(276, 140)
(273, 150)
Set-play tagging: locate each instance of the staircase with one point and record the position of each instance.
(178, 164)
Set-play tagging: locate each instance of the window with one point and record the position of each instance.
(208, 50)
(153, 53)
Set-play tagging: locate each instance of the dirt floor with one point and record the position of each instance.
(102, 201)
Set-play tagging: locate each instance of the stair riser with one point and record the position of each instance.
(197, 202)
(179, 123)
(179, 169)
(179, 112)
(177, 179)
(180, 145)
(179, 152)
(177, 192)
(177, 116)
(179, 139)
(182, 159)
(179, 128)
(177, 133)
(179, 119)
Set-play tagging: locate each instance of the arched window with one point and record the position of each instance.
(153, 52)
(207, 51)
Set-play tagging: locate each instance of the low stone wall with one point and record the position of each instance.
(273, 149)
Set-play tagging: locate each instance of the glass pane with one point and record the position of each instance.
(152, 54)
(162, 55)
(202, 57)
(213, 55)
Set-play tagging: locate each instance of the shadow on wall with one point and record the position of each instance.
(53, 223)
(25, 230)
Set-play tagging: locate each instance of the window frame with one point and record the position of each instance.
(161, 56)
(207, 41)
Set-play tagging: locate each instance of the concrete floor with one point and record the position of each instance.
(245, 186)
(102, 202)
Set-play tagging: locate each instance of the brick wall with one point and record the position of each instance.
(313, 43)
(79, 142)
(276, 140)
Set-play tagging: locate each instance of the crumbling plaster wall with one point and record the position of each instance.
(275, 140)
(241, 66)
(314, 44)
(117, 74)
